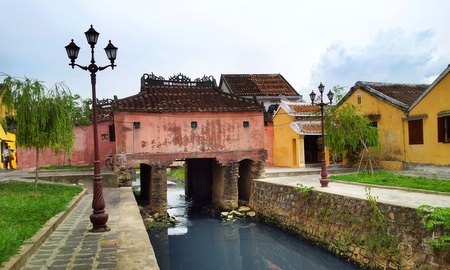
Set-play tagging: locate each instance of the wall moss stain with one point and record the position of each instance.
(368, 233)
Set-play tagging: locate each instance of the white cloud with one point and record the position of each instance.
(393, 55)
(336, 42)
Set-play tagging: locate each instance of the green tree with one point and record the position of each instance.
(348, 132)
(41, 115)
(82, 111)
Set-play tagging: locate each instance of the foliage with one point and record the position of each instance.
(384, 178)
(347, 129)
(437, 218)
(303, 190)
(41, 114)
(177, 175)
(9, 123)
(339, 93)
(378, 238)
(82, 111)
(24, 210)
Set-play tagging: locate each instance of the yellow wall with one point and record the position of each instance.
(430, 152)
(9, 137)
(285, 139)
(389, 124)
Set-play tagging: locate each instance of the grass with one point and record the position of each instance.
(68, 168)
(177, 175)
(384, 178)
(24, 210)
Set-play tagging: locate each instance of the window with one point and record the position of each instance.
(136, 125)
(444, 129)
(246, 124)
(359, 97)
(415, 131)
(112, 133)
(193, 124)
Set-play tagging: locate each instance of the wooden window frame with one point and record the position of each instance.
(415, 131)
(444, 129)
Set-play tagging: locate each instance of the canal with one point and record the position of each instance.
(201, 242)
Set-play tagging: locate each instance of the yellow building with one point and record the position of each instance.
(297, 129)
(385, 104)
(427, 125)
(7, 139)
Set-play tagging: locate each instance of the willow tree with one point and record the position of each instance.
(348, 132)
(43, 115)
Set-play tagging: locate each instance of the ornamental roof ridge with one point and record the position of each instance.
(178, 80)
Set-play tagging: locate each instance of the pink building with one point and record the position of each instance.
(219, 136)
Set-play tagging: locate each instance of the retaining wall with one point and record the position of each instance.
(368, 233)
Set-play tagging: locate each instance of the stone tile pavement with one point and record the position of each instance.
(72, 246)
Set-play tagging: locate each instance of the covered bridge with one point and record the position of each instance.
(220, 136)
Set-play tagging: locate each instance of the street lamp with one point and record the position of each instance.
(324, 177)
(98, 217)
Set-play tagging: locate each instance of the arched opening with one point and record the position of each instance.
(145, 182)
(198, 182)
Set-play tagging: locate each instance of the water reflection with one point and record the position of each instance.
(201, 242)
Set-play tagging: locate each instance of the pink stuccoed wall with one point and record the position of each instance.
(82, 154)
(172, 132)
(268, 143)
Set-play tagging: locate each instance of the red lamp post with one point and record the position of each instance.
(324, 176)
(98, 217)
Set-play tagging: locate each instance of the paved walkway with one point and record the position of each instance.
(127, 246)
(70, 245)
(395, 196)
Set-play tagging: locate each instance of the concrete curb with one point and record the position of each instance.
(30, 246)
(133, 237)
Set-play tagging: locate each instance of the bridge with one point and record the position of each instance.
(220, 137)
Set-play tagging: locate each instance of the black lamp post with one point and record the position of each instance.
(324, 177)
(98, 217)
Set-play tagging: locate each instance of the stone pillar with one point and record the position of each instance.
(124, 176)
(230, 191)
(257, 169)
(158, 189)
(301, 152)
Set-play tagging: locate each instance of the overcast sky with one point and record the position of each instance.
(308, 42)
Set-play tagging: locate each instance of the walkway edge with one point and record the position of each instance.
(135, 251)
(30, 246)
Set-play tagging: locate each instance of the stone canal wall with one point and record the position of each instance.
(366, 232)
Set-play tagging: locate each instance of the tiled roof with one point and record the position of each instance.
(179, 98)
(399, 95)
(303, 108)
(307, 127)
(258, 85)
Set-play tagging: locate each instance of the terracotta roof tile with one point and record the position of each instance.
(258, 85)
(303, 108)
(174, 98)
(307, 127)
(312, 128)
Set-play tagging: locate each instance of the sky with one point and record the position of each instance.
(307, 42)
